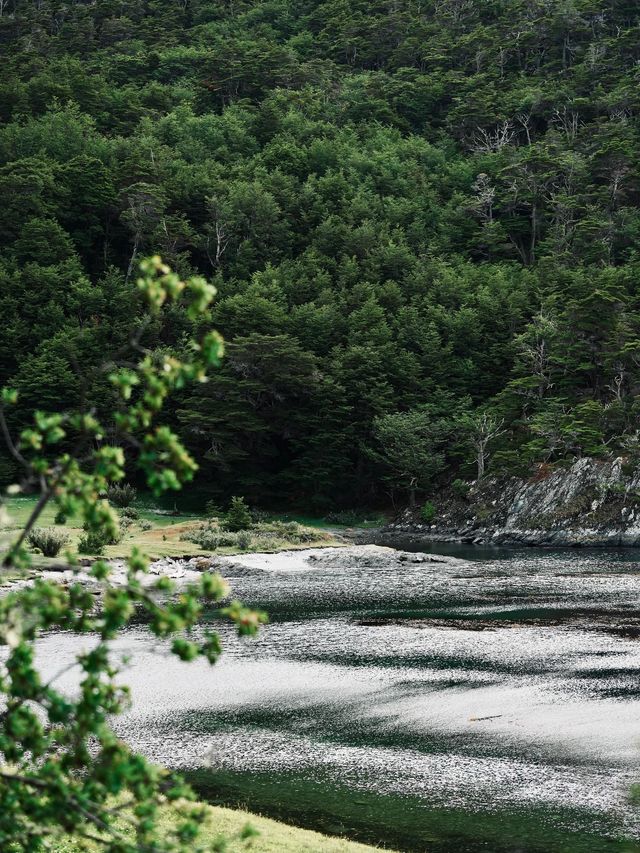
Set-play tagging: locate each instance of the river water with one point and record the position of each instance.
(490, 705)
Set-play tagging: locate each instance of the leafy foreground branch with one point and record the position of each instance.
(62, 769)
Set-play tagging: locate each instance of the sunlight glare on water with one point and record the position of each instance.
(505, 683)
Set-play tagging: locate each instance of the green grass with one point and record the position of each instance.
(165, 538)
(274, 837)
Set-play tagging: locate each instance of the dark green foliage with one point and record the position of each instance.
(129, 512)
(48, 540)
(60, 518)
(428, 512)
(412, 448)
(93, 543)
(344, 517)
(213, 509)
(238, 516)
(397, 202)
(460, 489)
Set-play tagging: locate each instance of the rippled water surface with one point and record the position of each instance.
(491, 705)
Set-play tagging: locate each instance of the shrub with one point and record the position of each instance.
(460, 489)
(238, 516)
(346, 517)
(428, 512)
(261, 543)
(121, 494)
(145, 525)
(286, 529)
(291, 531)
(244, 540)
(226, 539)
(130, 512)
(213, 509)
(48, 540)
(613, 490)
(60, 517)
(260, 516)
(513, 462)
(94, 542)
(205, 536)
(211, 536)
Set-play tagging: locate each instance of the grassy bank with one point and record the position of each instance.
(162, 533)
(274, 837)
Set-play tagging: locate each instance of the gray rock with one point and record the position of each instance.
(593, 502)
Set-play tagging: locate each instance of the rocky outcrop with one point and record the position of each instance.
(187, 569)
(339, 558)
(592, 502)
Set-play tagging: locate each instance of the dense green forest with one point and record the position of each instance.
(421, 217)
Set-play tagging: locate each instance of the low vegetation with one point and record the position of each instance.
(47, 540)
(259, 536)
(121, 494)
(428, 512)
(266, 835)
(160, 534)
(238, 517)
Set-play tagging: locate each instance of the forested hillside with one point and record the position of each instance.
(421, 216)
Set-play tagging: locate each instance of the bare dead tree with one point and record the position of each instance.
(535, 350)
(618, 175)
(617, 384)
(143, 214)
(484, 198)
(503, 58)
(596, 52)
(455, 10)
(481, 429)
(524, 119)
(218, 235)
(489, 141)
(568, 121)
(620, 113)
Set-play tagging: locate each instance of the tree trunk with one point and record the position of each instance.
(481, 460)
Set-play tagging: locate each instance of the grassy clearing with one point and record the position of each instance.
(274, 837)
(159, 533)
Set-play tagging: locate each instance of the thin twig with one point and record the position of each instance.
(13, 450)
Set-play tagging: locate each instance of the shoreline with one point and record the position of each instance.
(273, 835)
(501, 538)
(288, 559)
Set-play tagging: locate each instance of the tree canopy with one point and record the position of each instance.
(397, 200)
